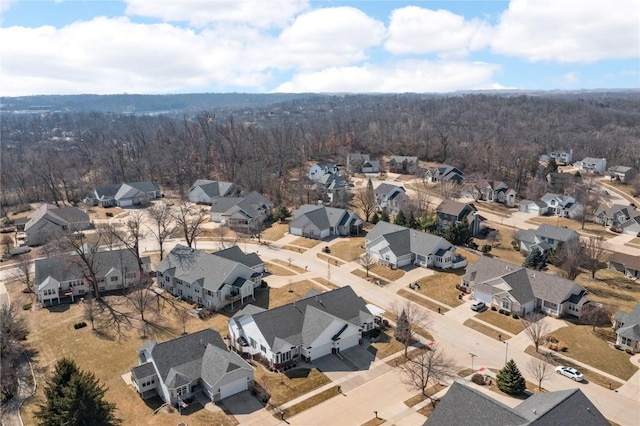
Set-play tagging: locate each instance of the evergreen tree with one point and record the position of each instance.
(281, 213)
(384, 216)
(375, 218)
(400, 219)
(510, 380)
(535, 260)
(402, 332)
(459, 234)
(75, 398)
(411, 221)
(429, 223)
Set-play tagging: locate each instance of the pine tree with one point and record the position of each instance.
(384, 216)
(510, 380)
(400, 219)
(375, 218)
(402, 332)
(535, 260)
(411, 221)
(75, 398)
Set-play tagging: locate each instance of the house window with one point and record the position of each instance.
(114, 278)
(253, 342)
(263, 349)
(182, 390)
(550, 305)
(505, 304)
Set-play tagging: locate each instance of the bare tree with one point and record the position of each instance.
(22, 272)
(365, 199)
(163, 224)
(598, 314)
(540, 370)
(535, 328)
(595, 253)
(91, 311)
(183, 317)
(367, 262)
(141, 297)
(425, 367)
(410, 318)
(7, 244)
(569, 257)
(189, 220)
(449, 190)
(109, 235)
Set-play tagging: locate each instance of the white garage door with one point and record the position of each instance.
(233, 388)
(348, 342)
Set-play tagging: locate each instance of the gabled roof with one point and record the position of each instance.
(559, 233)
(463, 405)
(66, 268)
(454, 208)
(210, 271)
(213, 188)
(401, 158)
(301, 322)
(200, 355)
(60, 216)
(629, 318)
(620, 169)
(144, 186)
(402, 241)
(386, 188)
(236, 254)
(107, 191)
(324, 217)
(628, 260)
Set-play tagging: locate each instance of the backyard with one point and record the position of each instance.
(611, 287)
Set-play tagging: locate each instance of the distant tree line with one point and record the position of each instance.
(59, 157)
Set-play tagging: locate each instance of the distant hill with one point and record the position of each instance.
(141, 104)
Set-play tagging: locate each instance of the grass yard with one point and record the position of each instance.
(374, 422)
(590, 375)
(97, 212)
(385, 345)
(326, 283)
(594, 350)
(273, 297)
(284, 387)
(504, 322)
(411, 295)
(441, 286)
(276, 231)
(611, 287)
(290, 265)
(503, 250)
(589, 227)
(52, 336)
(305, 242)
(277, 269)
(387, 273)
(531, 387)
(294, 248)
(371, 278)
(348, 250)
(330, 259)
(417, 399)
(310, 402)
(484, 329)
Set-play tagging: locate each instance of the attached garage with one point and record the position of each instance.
(233, 388)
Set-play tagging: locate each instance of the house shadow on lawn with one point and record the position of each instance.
(59, 308)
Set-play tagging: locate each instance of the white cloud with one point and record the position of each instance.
(260, 13)
(5, 5)
(404, 76)
(414, 30)
(569, 30)
(328, 37)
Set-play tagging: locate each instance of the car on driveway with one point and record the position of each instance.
(570, 372)
(477, 305)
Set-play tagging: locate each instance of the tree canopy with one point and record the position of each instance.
(510, 380)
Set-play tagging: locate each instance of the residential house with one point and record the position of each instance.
(627, 327)
(562, 156)
(48, 222)
(545, 238)
(211, 280)
(334, 186)
(307, 329)
(241, 214)
(205, 191)
(450, 212)
(250, 260)
(396, 246)
(463, 405)
(403, 165)
(319, 222)
(445, 173)
(180, 368)
(559, 181)
(626, 263)
(520, 290)
(390, 197)
(496, 191)
(125, 195)
(625, 218)
(322, 168)
(537, 208)
(592, 165)
(623, 174)
(65, 277)
(362, 163)
(562, 205)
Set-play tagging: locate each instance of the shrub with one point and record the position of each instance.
(108, 214)
(79, 325)
(629, 351)
(551, 338)
(478, 379)
(26, 306)
(507, 313)
(493, 308)
(326, 249)
(618, 347)
(264, 284)
(562, 347)
(515, 316)
(501, 311)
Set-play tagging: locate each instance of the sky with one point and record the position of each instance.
(329, 46)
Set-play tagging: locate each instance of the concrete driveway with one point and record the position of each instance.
(248, 410)
(353, 359)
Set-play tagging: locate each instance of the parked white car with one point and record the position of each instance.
(570, 372)
(477, 305)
